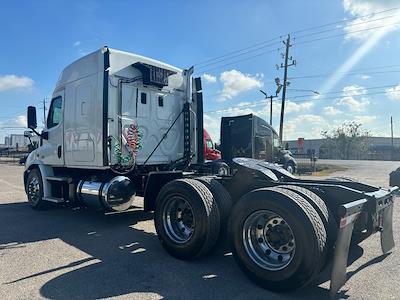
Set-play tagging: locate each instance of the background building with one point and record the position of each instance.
(18, 141)
(381, 148)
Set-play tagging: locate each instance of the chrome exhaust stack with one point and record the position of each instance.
(114, 195)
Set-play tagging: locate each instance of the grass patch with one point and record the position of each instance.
(324, 170)
(321, 169)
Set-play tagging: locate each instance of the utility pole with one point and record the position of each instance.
(270, 110)
(285, 83)
(391, 129)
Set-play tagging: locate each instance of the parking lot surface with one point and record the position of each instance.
(64, 253)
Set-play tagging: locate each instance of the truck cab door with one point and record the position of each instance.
(52, 151)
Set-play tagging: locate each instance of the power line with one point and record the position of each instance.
(345, 26)
(342, 92)
(237, 51)
(353, 90)
(345, 20)
(342, 34)
(343, 74)
(334, 97)
(241, 60)
(292, 99)
(247, 52)
(209, 61)
(298, 43)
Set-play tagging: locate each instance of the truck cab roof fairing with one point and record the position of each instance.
(94, 63)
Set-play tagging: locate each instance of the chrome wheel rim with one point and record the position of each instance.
(34, 190)
(268, 240)
(178, 219)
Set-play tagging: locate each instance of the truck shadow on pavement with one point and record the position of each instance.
(125, 257)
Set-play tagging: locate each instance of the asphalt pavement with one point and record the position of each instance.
(64, 253)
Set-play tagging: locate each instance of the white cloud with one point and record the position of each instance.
(307, 126)
(77, 43)
(353, 90)
(365, 119)
(209, 78)
(360, 8)
(13, 82)
(293, 107)
(331, 111)
(19, 121)
(393, 93)
(235, 82)
(349, 100)
(365, 77)
(354, 104)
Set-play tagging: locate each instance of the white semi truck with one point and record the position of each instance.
(121, 125)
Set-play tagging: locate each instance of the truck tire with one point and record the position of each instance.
(221, 197)
(290, 167)
(34, 190)
(323, 211)
(277, 238)
(187, 219)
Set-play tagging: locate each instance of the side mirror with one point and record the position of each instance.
(197, 84)
(31, 117)
(28, 134)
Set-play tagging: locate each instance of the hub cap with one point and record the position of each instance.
(268, 240)
(178, 219)
(34, 190)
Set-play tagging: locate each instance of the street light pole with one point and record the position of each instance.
(270, 110)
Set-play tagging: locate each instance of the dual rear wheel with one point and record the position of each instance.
(190, 215)
(278, 236)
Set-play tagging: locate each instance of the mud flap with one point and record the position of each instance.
(387, 240)
(349, 214)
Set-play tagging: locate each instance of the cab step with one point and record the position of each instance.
(59, 179)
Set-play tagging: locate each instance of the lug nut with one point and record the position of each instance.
(275, 221)
(260, 240)
(290, 244)
(284, 248)
(259, 226)
(267, 252)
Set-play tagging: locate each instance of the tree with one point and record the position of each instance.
(348, 141)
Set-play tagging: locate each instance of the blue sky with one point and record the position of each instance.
(39, 38)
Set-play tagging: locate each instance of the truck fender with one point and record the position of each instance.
(155, 181)
(45, 171)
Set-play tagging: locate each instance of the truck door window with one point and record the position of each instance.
(210, 144)
(54, 116)
(160, 101)
(143, 98)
